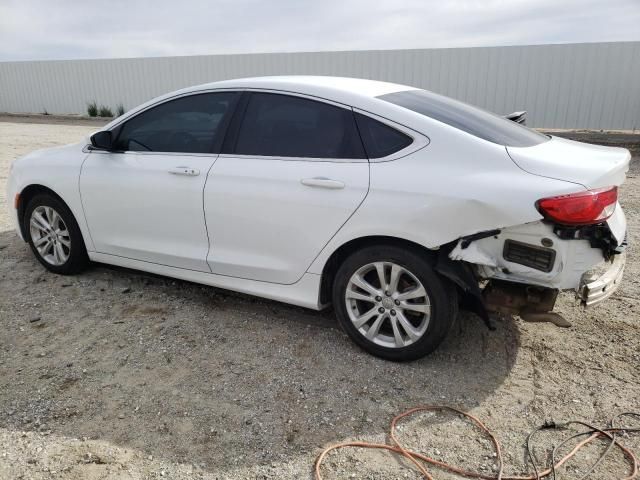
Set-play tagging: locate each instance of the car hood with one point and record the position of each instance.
(592, 166)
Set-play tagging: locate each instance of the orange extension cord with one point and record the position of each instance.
(420, 460)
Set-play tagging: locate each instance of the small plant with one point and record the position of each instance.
(92, 109)
(44, 112)
(120, 109)
(105, 111)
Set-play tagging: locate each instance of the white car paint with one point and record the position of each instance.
(437, 196)
(139, 206)
(592, 166)
(255, 226)
(56, 168)
(269, 217)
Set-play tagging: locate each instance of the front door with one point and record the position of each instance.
(144, 199)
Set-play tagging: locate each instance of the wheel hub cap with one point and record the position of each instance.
(387, 302)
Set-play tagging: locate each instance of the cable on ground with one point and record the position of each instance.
(421, 461)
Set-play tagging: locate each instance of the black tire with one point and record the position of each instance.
(77, 259)
(442, 296)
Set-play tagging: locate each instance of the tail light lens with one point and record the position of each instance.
(582, 208)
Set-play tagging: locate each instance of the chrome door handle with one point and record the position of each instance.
(322, 182)
(188, 171)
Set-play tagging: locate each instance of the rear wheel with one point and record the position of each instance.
(392, 303)
(54, 235)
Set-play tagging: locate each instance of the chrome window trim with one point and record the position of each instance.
(296, 159)
(88, 149)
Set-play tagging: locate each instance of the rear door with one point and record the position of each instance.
(293, 173)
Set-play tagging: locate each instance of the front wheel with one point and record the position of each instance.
(392, 303)
(54, 235)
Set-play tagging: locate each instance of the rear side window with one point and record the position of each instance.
(465, 117)
(187, 125)
(380, 140)
(287, 126)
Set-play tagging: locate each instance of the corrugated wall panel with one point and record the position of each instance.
(561, 86)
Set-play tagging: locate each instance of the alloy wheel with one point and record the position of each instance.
(388, 304)
(50, 235)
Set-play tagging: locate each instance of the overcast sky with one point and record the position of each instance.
(67, 29)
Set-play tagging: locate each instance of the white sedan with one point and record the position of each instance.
(392, 203)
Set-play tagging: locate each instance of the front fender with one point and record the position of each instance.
(57, 169)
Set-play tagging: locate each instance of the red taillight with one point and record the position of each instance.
(582, 208)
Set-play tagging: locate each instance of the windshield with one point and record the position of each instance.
(470, 119)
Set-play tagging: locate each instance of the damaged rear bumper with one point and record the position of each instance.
(525, 266)
(594, 290)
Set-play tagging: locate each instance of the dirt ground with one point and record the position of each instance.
(119, 374)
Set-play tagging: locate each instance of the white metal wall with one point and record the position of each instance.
(594, 86)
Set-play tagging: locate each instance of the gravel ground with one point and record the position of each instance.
(119, 374)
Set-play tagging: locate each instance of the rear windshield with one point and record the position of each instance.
(470, 119)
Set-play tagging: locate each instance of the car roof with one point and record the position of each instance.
(312, 85)
(355, 92)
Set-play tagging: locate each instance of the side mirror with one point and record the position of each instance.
(102, 140)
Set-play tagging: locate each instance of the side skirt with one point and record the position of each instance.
(304, 293)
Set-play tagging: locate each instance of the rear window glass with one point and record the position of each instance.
(465, 117)
(380, 140)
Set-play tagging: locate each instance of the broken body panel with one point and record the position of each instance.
(440, 196)
(587, 259)
(572, 257)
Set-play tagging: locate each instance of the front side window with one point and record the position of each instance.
(465, 117)
(286, 126)
(186, 125)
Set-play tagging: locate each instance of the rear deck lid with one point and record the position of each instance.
(592, 166)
